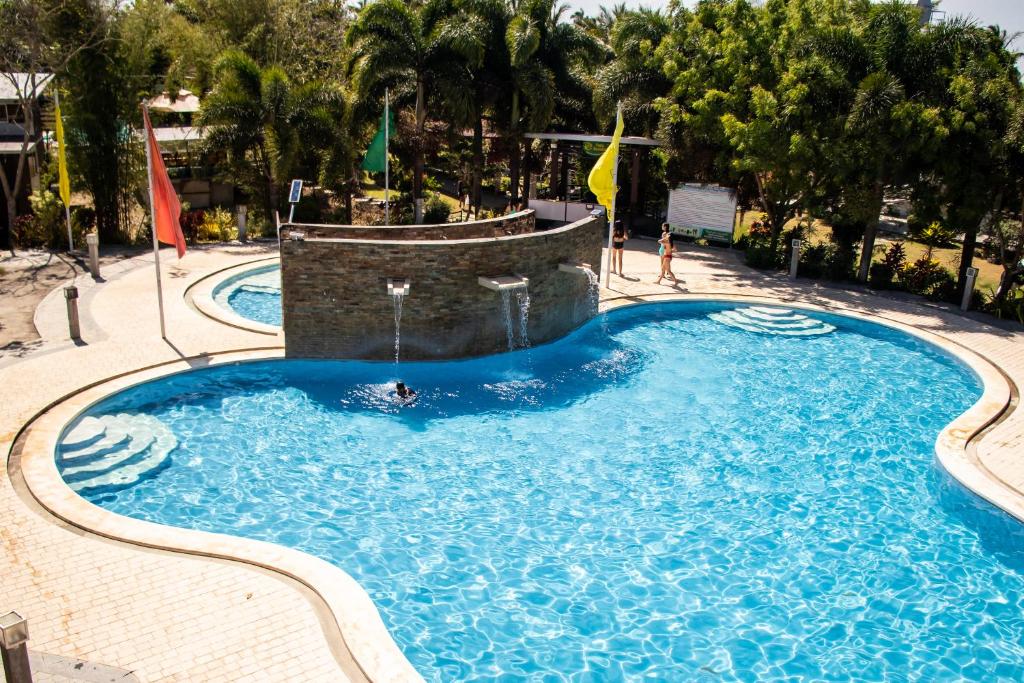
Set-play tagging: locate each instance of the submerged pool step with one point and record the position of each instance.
(85, 433)
(260, 289)
(777, 321)
(133, 446)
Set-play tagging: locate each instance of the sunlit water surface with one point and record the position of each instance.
(657, 495)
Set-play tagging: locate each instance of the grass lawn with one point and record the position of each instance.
(949, 257)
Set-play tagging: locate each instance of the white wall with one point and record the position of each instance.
(570, 212)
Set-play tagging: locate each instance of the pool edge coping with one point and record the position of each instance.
(363, 633)
(954, 444)
(200, 295)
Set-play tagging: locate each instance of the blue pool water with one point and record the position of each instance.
(659, 495)
(254, 294)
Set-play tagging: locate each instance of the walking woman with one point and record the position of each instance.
(619, 238)
(665, 252)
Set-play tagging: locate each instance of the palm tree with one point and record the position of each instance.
(549, 60)
(260, 119)
(468, 36)
(895, 75)
(396, 45)
(533, 83)
(635, 76)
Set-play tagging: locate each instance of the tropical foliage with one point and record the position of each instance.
(816, 110)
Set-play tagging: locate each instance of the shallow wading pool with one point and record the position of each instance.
(678, 491)
(254, 294)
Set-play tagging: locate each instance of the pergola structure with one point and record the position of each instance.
(563, 145)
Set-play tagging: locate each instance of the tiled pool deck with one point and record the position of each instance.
(173, 617)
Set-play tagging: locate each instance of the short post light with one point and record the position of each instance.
(794, 261)
(71, 296)
(92, 240)
(972, 275)
(243, 225)
(14, 648)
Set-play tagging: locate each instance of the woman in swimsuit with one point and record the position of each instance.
(619, 238)
(665, 252)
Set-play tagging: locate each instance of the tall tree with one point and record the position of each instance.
(634, 76)
(981, 88)
(397, 45)
(42, 37)
(261, 119)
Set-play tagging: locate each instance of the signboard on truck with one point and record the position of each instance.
(707, 211)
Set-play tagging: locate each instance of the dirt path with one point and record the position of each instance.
(24, 280)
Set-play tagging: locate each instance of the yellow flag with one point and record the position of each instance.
(62, 164)
(602, 176)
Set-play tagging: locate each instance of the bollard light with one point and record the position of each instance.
(13, 630)
(92, 241)
(794, 262)
(14, 648)
(972, 275)
(74, 328)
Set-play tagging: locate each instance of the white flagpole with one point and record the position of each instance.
(387, 174)
(156, 244)
(67, 209)
(611, 214)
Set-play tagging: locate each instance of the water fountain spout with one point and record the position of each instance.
(398, 289)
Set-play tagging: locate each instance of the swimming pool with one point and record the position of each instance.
(254, 294)
(679, 491)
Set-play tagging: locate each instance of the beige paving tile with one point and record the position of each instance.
(172, 617)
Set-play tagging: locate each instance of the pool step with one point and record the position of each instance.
(86, 433)
(260, 289)
(777, 321)
(131, 448)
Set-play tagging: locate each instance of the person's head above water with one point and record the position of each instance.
(403, 391)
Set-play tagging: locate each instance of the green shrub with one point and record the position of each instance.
(884, 273)
(1010, 308)
(814, 260)
(436, 210)
(217, 225)
(927, 277)
(46, 226)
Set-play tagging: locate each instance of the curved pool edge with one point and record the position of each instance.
(200, 295)
(359, 623)
(954, 444)
(364, 636)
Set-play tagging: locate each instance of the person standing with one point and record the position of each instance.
(665, 250)
(619, 237)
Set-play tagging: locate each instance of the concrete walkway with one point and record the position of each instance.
(168, 617)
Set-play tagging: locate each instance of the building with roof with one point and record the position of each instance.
(24, 114)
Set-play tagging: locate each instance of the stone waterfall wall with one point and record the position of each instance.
(335, 301)
(518, 223)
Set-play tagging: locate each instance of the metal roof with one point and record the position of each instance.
(578, 137)
(176, 134)
(184, 103)
(15, 147)
(13, 83)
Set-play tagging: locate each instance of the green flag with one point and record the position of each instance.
(376, 152)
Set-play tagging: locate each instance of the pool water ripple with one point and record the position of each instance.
(657, 495)
(254, 294)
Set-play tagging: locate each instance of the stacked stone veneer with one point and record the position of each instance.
(509, 224)
(335, 301)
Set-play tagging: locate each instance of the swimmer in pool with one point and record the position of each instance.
(404, 392)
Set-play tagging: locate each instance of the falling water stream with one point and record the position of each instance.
(523, 297)
(522, 339)
(398, 299)
(594, 286)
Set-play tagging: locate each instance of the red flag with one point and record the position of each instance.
(166, 207)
